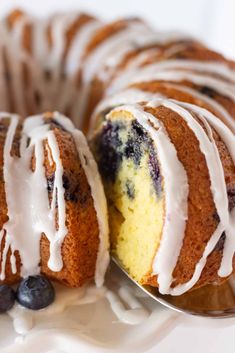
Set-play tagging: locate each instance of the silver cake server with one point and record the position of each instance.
(215, 301)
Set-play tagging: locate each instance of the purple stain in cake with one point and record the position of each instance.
(216, 216)
(155, 171)
(71, 189)
(139, 131)
(133, 151)
(50, 183)
(231, 203)
(108, 150)
(231, 199)
(130, 189)
(220, 244)
(55, 124)
(111, 151)
(207, 91)
(136, 143)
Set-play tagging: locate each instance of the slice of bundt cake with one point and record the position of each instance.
(169, 175)
(53, 216)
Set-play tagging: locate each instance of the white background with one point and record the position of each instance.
(213, 21)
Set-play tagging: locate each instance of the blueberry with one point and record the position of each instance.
(130, 189)
(108, 150)
(155, 170)
(208, 91)
(7, 298)
(35, 293)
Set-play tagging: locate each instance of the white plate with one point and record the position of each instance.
(70, 327)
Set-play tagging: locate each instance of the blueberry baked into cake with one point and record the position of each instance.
(158, 109)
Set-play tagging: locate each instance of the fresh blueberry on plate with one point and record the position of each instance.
(35, 292)
(7, 298)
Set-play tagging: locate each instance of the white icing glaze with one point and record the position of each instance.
(136, 312)
(132, 313)
(29, 211)
(73, 60)
(174, 70)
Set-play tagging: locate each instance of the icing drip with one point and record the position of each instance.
(74, 57)
(29, 211)
(136, 312)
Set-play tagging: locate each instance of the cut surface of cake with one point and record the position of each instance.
(128, 163)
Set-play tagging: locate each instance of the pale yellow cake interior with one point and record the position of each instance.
(135, 223)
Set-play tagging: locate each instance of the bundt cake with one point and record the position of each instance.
(160, 112)
(53, 216)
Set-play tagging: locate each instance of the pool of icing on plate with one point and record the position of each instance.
(88, 318)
